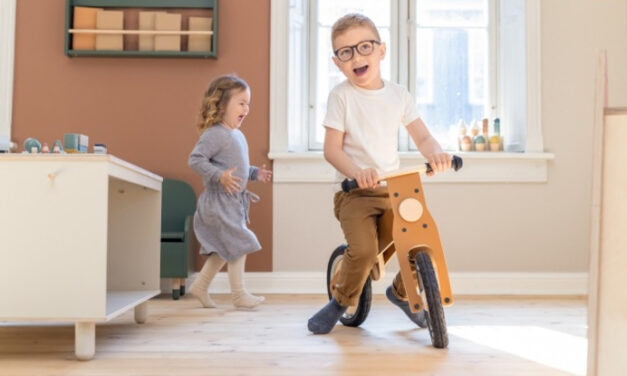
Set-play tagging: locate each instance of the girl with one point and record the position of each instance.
(221, 159)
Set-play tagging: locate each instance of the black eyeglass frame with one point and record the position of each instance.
(354, 48)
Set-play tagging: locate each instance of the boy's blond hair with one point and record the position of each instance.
(351, 20)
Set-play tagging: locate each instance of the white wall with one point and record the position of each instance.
(527, 227)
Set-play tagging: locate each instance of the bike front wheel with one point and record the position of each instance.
(430, 291)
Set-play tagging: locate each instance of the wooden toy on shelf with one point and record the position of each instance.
(32, 145)
(57, 147)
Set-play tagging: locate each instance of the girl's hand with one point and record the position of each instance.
(263, 174)
(367, 178)
(439, 162)
(230, 182)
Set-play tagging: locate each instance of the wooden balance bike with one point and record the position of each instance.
(409, 231)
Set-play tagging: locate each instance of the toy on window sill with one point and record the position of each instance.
(462, 143)
(45, 148)
(474, 131)
(32, 145)
(466, 143)
(496, 141)
(479, 143)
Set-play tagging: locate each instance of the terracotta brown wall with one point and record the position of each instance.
(143, 109)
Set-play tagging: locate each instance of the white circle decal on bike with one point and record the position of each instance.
(410, 209)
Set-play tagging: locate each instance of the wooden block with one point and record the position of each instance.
(169, 22)
(110, 20)
(84, 18)
(147, 22)
(199, 42)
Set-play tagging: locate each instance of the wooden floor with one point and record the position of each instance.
(488, 336)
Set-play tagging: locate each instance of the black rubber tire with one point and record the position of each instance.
(176, 294)
(365, 299)
(435, 313)
(182, 290)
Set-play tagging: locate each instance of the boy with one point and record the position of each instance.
(363, 115)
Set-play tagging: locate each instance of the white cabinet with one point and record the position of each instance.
(79, 240)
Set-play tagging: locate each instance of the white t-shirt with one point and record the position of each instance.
(370, 120)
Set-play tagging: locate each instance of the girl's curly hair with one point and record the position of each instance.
(217, 96)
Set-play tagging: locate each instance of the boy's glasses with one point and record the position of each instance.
(364, 48)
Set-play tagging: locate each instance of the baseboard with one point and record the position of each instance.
(461, 283)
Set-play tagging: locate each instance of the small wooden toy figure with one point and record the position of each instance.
(32, 145)
(57, 147)
(479, 142)
(45, 148)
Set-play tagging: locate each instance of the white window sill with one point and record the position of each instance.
(479, 167)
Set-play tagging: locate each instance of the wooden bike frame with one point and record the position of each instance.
(408, 230)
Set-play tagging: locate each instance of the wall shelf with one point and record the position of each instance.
(210, 5)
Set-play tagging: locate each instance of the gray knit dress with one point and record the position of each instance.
(220, 221)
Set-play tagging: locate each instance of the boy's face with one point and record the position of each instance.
(237, 109)
(360, 70)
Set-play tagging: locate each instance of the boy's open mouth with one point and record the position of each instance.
(240, 118)
(361, 70)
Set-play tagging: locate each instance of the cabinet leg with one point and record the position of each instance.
(84, 340)
(141, 313)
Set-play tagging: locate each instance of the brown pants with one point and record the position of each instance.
(358, 212)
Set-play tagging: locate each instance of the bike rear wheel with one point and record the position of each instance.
(355, 315)
(430, 291)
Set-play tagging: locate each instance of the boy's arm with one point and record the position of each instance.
(429, 146)
(334, 154)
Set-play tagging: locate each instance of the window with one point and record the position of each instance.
(449, 58)
(446, 52)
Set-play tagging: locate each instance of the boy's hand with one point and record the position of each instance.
(263, 174)
(439, 162)
(367, 178)
(231, 183)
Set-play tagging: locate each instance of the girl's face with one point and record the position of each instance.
(237, 109)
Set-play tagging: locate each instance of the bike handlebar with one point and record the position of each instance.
(350, 184)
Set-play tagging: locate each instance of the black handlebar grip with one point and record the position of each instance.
(456, 164)
(349, 185)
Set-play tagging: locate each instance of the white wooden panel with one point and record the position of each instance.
(612, 299)
(53, 234)
(134, 237)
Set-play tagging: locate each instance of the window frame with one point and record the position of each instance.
(309, 166)
(7, 58)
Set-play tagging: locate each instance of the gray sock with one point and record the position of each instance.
(419, 318)
(324, 320)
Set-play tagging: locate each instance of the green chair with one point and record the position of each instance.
(178, 204)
